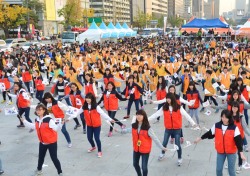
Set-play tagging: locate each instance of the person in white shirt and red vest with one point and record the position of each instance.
(46, 129)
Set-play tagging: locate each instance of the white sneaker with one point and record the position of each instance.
(179, 162)
(239, 169)
(161, 157)
(226, 166)
(38, 172)
(245, 148)
(69, 145)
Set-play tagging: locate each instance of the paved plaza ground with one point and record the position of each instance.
(19, 151)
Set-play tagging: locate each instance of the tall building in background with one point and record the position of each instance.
(157, 8)
(188, 8)
(137, 6)
(176, 8)
(112, 10)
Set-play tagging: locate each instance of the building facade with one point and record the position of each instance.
(176, 8)
(136, 6)
(112, 10)
(157, 8)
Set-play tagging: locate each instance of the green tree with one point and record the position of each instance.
(161, 22)
(175, 21)
(141, 19)
(72, 13)
(11, 16)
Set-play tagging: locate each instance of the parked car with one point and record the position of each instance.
(27, 45)
(2, 43)
(6, 48)
(12, 42)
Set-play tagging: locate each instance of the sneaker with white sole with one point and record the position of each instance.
(91, 150)
(61, 174)
(38, 172)
(239, 169)
(161, 157)
(99, 155)
(69, 145)
(179, 162)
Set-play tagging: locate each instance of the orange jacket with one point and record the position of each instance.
(26, 76)
(161, 94)
(76, 100)
(174, 120)
(56, 110)
(110, 102)
(193, 96)
(141, 141)
(21, 101)
(6, 82)
(92, 118)
(39, 84)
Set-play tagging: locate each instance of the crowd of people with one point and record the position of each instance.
(94, 77)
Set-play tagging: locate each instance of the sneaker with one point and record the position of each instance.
(239, 169)
(245, 148)
(123, 126)
(226, 166)
(1, 172)
(10, 103)
(3, 101)
(179, 162)
(84, 131)
(38, 172)
(61, 174)
(142, 107)
(31, 130)
(161, 157)
(20, 126)
(126, 117)
(69, 145)
(110, 134)
(91, 150)
(172, 140)
(76, 126)
(182, 140)
(202, 109)
(99, 155)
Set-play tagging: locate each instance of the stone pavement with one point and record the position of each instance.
(19, 151)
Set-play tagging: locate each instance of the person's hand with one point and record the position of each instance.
(112, 121)
(165, 149)
(242, 156)
(128, 97)
(197, 140)
(0, 110)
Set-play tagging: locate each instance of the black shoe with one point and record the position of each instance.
(84, 131)
(20, 126)
(76, 126)
(1, 172)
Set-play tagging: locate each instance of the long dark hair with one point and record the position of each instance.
(91, 79)
(145, 123)
(93, 101)
(77, 88)
(41, 105)
(192, 84)
(113, 84)
(232, 99)
(163, 84)
(237, 105)
(228, 115)
(173, 103)
(46, 96)
(241, 88)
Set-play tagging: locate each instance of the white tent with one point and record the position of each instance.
(129, 31)
(93, 33)
(245, 29)
(106, 33)
(114, 32)
(122, 31)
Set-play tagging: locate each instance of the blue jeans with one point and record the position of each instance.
(246, 115)
(39, 95)
(83, 121)
(130, 102)
(118, 89)
(112, 116)
(94, 131)
(66, 99)
(194, 112)
(65, 133)
(144, 161)
(26, 112)
(231, 158)
(245, 141)
(176, 134)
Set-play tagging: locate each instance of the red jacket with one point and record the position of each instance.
(92, 118)
(39, 84)
(76, 100)
(193, 96)
(161, 94)
(26, 76)
(141, 141)
(21, 101)
(56, 110)
(6, 82)
(173, 120)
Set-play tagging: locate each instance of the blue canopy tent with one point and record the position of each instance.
(202, 23)
(129, 32)
(106, 33)
(113, 30)
(121, 30)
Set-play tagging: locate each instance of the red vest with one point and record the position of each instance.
(174, 120)
(225, 143)
(245, 94)
(89, 89)
(161, 94)
(92, 118)
(136, 93)
(39, 84)
(76, 100)
(21, 102)
(6, 83)
(241, 110)
(46, 134)
(239, 125)
(194, 96)
(141, 141)
(110, 102)
(26, 76)
(57, 111)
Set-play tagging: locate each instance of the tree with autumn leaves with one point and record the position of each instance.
(11, 16)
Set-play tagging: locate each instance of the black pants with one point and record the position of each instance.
(144, 163)
(112, 116)
(212, 98)
(130, 102)
(4, 96)
(53, 155)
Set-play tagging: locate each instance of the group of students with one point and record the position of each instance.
(153, 72)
